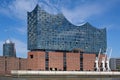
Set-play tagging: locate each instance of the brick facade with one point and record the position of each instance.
(73, 61)
(41, 60)
(36, 60)
(88, 62)
(56, 60)
(11, 63)
(22, 64)
(2, 65)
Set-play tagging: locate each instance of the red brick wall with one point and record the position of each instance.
(2, 65)
(12, 64)
(73, 61)
(23, 64)
(56, 60)
(37, 62)
(88, 61)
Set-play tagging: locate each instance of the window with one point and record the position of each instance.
(51, 69)
(81, 69)
(46, 68)
(31, 56)
(55, 69)
(47, 59)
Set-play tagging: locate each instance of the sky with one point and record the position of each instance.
(99, 13)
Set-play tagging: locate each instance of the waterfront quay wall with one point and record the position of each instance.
(59, 74)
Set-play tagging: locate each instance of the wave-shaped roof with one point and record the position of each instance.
(54, 32)
(61, 15)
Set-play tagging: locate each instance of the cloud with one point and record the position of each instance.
(51, 6)
(21, 47)
(81, 13)
(84, 11)
(76, 11)
(22, 30)
(18, 8)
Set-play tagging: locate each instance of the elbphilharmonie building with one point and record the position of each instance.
(55, 44)
(51, 32)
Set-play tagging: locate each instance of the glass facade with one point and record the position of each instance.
(54, 32)
(9, 49)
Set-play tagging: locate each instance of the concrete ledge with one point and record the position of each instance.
(63, 73)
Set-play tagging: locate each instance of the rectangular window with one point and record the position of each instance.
(47, 59)
(81, 69)
(31, 56)
(46, 68)
(64, 68)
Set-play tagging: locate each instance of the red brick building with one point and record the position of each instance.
(73, 61)
(36, 60)
(11, 63)
(2, 65)
(42, 60)
(70, 61)
(89, 62)
(55, 60)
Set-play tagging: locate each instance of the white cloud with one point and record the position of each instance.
(21, 47)
(22, 30)
(83, 12)
(51, 6)
(85, 9)
(18, 8)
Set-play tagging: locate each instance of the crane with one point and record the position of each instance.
(97, 62)
(103, 62)
(107, 61)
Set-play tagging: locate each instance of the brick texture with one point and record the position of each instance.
(36, 60)
(73, 61)
(2, 65)
(56, 60)
(88, 62)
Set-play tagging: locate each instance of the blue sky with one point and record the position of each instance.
(99, 13)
